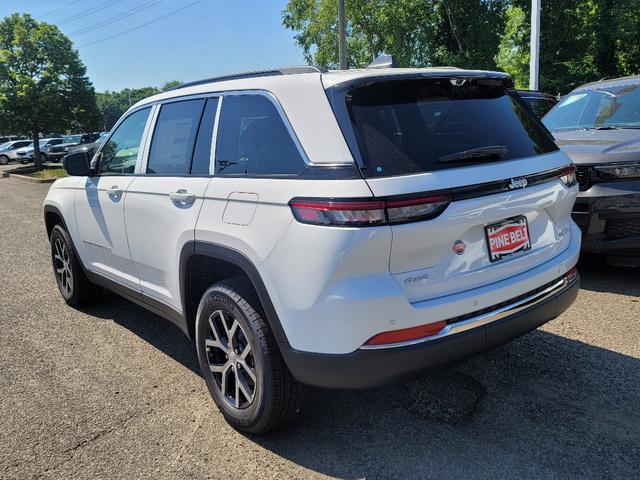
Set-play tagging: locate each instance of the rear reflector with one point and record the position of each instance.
(407, 334)
(368, 212)
(572, 274)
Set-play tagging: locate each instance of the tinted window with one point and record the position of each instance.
(202, 152)
(417, 126)
(604, 106)
(16, 145)
(253, 140)
(174, 137)
(120, 153)
(540, 106)
(72, 139)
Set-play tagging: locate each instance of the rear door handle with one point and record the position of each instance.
(114, 191)
(182, 196)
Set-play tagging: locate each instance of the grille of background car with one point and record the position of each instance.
(618, 229)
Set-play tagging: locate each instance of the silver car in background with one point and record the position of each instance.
(8, 150)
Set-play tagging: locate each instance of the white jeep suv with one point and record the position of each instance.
(339, 229)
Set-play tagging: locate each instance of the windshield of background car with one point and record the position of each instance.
(416, 126)
(600, 106)
(72, 139)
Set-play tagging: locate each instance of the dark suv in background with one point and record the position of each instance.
(56, 152)
(598, 125)
(539, 102)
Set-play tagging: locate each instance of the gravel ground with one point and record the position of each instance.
(113, 392)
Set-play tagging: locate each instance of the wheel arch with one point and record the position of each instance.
(231, 261)
(52, 217)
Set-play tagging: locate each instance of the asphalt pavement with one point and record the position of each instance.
(114, 392)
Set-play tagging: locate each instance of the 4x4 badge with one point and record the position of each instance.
(518, 183)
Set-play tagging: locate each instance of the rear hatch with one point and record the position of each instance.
(470, 143)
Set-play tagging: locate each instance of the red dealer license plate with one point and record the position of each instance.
(507, 238)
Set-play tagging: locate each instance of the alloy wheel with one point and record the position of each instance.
(62, 265)
(231, 360)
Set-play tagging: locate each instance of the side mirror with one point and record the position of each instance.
(77, 164)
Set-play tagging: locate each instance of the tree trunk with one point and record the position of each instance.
(37, 159)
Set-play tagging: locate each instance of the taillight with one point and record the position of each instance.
(568, 176)
(406, 334)
(362, 213)
(411, 210)
(339, 213)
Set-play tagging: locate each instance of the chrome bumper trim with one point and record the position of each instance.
(484, 319)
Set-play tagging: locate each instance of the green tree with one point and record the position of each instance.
(43, 83)
(170, 85)
(513, 51)
(113, 104)
(580, 41)
(462, 33)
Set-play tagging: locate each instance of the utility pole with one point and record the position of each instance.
(342, 36)
(534, 62)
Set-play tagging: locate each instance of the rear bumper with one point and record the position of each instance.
(372, 368)
(609, 216)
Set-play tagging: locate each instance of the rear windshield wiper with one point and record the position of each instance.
(490, 153)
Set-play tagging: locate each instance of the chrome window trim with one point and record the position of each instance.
(265, 93)
(214, 137)
(484, 319)
(143, 155)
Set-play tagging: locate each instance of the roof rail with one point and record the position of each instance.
(254, 74)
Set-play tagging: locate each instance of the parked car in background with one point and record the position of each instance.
(25, 154)
(56, 152)
(8, 150)
(539, 102)
(89, 148)
(8, 138)
(598, 125)
(339, 229)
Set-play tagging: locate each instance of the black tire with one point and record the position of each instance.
(79, 290)
(43, 157)
(277, 396)
(4, 159)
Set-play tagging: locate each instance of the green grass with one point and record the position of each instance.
(49, 173)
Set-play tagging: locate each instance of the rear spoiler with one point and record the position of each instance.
(498, 79)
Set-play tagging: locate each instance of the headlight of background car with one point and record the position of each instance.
(620, 170)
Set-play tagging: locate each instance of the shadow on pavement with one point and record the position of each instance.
(153, 329)
(597, 276)
(541, 406)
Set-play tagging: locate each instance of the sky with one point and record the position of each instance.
(205, 39)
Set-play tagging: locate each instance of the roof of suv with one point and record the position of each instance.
(612, 82)
(289, 75)
(300, 92)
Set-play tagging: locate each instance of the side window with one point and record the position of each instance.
(253, 139)
(202, 152)
(174, 137)
(119, 154)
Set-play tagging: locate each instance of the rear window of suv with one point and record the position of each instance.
(416, 126)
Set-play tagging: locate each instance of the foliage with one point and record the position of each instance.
(43, 83)
(513, 52)
(113, 104)
(415, 32)
(580, 41)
